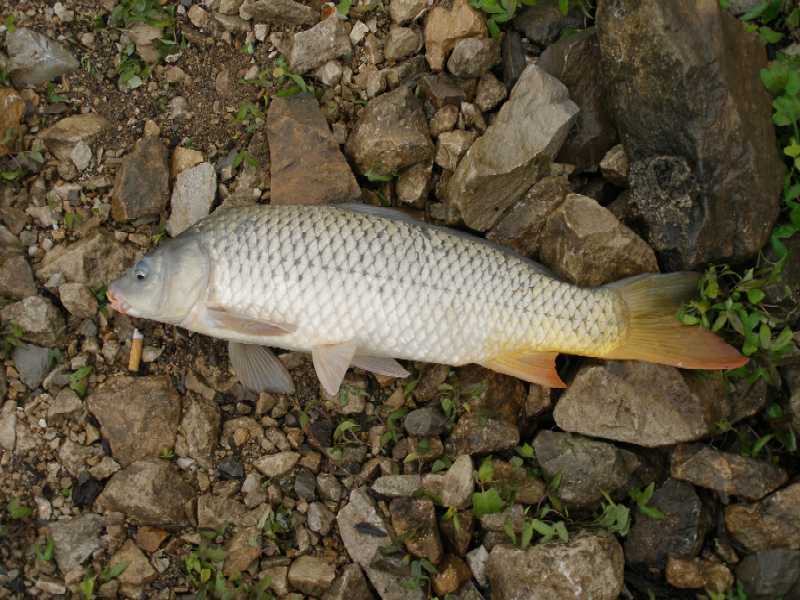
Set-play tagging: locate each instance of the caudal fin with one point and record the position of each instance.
(654, 334)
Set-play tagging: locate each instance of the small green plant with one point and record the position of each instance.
(614, 517)
(487, 502)
(18, 511)
(11, 339)
(45, 554)
(441, 464)
(375, 177)
(768, 17)
(79, 380)
(88, 583)
(167, 454)
(642, 497)
(393, 432)
(343, 429)
(421, 570)
(343, 8)
(502, 11)
(53, 97)
(287, 82)
(11, 23)
(243, 156)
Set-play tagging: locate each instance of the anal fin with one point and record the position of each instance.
(331, 362)
(380, 365)
(534, 367)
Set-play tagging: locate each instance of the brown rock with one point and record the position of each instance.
(725, 472)
(312, 48)
(149, 492)
(402, 42)
(184, 158)
(150, 538)
(473, 57)
(138, 571)
(516, 482)
(218, 511)
(414, 521)
(414, 184)
(769, 523)
(491, 92)
(522, 226)
(12, 108)
(200, 427)
(307, 165)
(697, 203)
(451, 575)
(451, 146)
(476, 435)
(311, 575)
(94, 260)
(147, 422)
(16, 277)
(242, 549)
(61, 138)
(588, 567)
(141, 187)
(40, 321)
(278, 12)
(698, 573)
(391, 134)
(443, 28)
(457, 530)
(615, 167)
(350, 585)
(585, 243)
(78, 299)
(442, 90)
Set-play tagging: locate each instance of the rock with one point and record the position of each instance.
(184, 158)
(363, 532)
(307, 166)
(588, 468)
(414, 521)
(391, 133)
(513, 56)
(697, 204)
(456, 529)
(698, 573)
(586, 244)
(12, 109)
(770, 574)
(197, 16)
(490, 92)
(357, 33)
(725, 472)
(200, 427)
(443, 28)
(305, 485)
(445, 119)
(8, 424)
(473, 57)
(192, 197)
(78, 299)
(40, 321)
(405, 11)
(401, 43)
(414, 184)
(330, 73)
(522, 226)
(242, 549)
(575, 62)
(32, 364)
(138, 571)
(278, 12)
(397, 486)
(476, 435)
(94, 260)
(478, 561)
(640, 403)
(614, 166)
(451, 575)
(275, 465)
(311, 575)
(74, 457)
(312, 48)
(141, 186)
(319, 518)
(149, 492)
(62, 138)
(543, 22)
(425, 422)
(587, 567)
(515, 150)
(678, 534)
(16, 277)
(76, 539)
(451, 146)
(769, 523)
(441, 90)
(34, 58)
(218, 511)
(517, 483)
(785, 292)
(67, 404)
(457, 483)
(145, 425)
(150, 539)
(350, 585)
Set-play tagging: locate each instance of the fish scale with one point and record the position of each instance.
(396, 288)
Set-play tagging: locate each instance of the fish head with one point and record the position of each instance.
(164, 285)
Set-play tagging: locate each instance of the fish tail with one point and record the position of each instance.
(653, 332)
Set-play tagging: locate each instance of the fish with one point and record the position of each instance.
(361, 286)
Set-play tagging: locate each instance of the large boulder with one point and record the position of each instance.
(684, 88)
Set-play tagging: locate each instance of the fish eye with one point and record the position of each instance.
(141, 271)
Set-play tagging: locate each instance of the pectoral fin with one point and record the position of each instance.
(534, 367)
(247, 325)
(380, 365)
(259, 369)
(331, 362)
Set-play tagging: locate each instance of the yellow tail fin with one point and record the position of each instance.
(654, 334)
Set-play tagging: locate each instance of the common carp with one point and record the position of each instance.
(362, 286)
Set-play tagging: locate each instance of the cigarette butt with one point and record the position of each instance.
(137, 343)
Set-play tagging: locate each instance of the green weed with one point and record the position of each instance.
(642, 498)
(79, 380)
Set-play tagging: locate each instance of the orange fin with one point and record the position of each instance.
(534, 367)
(654, 333)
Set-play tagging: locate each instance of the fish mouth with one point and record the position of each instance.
(117, 302)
